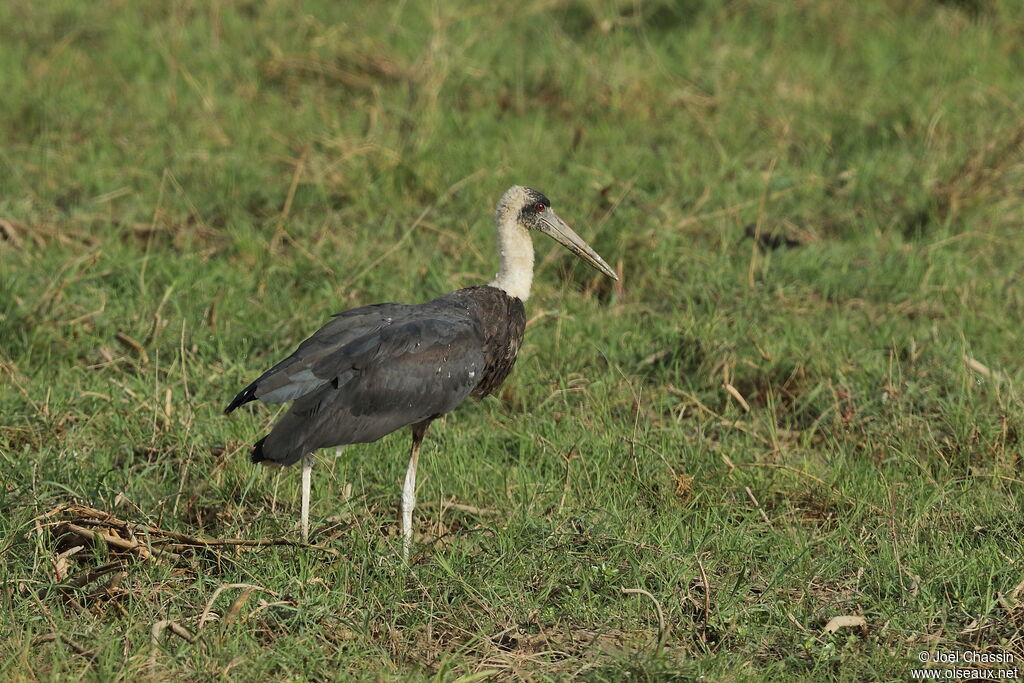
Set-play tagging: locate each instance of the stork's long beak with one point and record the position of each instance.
(554, 226)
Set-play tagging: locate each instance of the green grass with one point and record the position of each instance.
(213, 180)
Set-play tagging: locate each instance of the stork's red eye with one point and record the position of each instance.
(539, 207)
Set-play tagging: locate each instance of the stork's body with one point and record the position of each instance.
(376, 369)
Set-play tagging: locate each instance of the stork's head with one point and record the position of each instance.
(531, 210)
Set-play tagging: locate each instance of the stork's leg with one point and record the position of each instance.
(307, 470)
(409, 488)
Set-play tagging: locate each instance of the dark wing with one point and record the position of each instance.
(422, 363)
(312, 365)
(407, 373)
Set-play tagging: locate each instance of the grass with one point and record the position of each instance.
(758, 440)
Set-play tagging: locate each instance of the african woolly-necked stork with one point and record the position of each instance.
(375, 369)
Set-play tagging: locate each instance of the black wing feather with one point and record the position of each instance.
(367, 373)
(311, 364)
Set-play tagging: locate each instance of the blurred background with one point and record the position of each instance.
(800, 402)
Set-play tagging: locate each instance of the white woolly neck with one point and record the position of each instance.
(516, 251)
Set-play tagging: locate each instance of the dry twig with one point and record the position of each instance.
(657, 606)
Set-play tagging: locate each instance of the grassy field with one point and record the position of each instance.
(689, 473)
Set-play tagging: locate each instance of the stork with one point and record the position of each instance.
(375, 369)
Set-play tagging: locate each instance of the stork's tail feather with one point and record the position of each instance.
(257, 451)
(272, 455)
